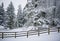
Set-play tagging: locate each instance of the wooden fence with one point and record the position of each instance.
(28, 33)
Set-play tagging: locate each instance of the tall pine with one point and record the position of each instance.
(10, 16)
(19, 17)
(2, 14)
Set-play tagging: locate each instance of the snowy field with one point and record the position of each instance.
(54, 36)
(17, 29)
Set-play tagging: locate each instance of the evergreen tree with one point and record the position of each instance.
(19, 17)
(2, 14)
(10, 16)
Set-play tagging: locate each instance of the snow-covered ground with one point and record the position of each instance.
(54, 36)
(17, 29)
(23, 28)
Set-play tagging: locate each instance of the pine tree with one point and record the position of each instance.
(2, 12)
(19, 17)
(10, 16)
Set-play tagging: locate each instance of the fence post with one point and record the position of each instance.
(15, 34)
(27, 34)
(2, 35)
(58, 29)
(48, 30)
(38, 32)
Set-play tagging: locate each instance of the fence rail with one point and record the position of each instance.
(28, 33)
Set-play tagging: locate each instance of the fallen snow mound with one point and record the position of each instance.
(1, 27)
(23, 29)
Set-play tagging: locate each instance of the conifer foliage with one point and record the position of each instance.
(11, 16)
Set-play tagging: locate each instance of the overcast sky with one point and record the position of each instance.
(15, 3)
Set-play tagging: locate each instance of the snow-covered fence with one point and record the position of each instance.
(28, 33)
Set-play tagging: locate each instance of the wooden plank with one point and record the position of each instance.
(8, 32)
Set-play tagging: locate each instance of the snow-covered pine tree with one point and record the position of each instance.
(36, 6)
(2, 12)
(19, 17)
(10, 16)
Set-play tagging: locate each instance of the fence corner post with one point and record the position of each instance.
(27, 34)
(2, 35)
(38, 32)
(48, 31)
(58, 29)
(15, 34)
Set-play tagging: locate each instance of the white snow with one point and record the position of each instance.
(19, 29)
(1, 27)
(23, 29)
(54, 36)
(45, 26)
